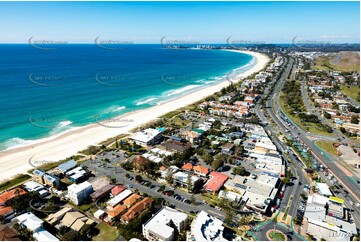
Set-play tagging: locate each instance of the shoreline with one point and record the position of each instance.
(16, 160)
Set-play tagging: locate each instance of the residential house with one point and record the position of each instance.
(79, 193)
(136, 209)
(216, 181)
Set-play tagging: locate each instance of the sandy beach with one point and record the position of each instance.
(16, 161)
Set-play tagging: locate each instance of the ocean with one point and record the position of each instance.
(46, 92)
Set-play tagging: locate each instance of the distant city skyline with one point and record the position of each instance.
(193, 22)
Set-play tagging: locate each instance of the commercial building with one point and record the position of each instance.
(323, 189)
(79, 193)
(257, 191)
(205, 227)
(163, 225)
(328, 219)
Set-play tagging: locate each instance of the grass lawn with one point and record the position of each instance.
(211, 199)
(106, 233)
(352, 91)
(310, 127)
(277, 236)
(343, 61)
(327, 146)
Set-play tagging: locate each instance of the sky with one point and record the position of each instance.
(201, 22)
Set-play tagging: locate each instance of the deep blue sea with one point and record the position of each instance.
(45, 92)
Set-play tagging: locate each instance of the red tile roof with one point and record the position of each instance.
(4, 211)
(8, 234)
(136, 209)
(131, 200)
(187, 166)
(201, 169)
(118, 189)
(116, 211)
(11, 194)
(216, 181)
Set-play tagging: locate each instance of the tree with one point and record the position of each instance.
(63, 230)
(217, 163)
(354, 119)
(207, 158)
(189, 182)
(327, 115)
(286, 181)
(127, 175)
(71, 236)
(86, 232)
(239, 171)
(229, 216)
(138, 178)
(193, 200)
(169, 179)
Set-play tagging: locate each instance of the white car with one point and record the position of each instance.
(351, 203)
(358, 205)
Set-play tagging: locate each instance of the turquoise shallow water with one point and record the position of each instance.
(47, 92)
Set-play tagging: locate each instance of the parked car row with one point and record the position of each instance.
(301, 210)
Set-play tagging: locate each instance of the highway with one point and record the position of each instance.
(274, 110)
(296, 165)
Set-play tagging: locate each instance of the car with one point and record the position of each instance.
(130, 186)
(351, 203)
(358, 205)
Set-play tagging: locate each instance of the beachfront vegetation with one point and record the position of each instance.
(14, 182)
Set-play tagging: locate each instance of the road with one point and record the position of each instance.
(117, 172)
(311, 109)
(261, 232)
(274, 111)
(296, 165)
